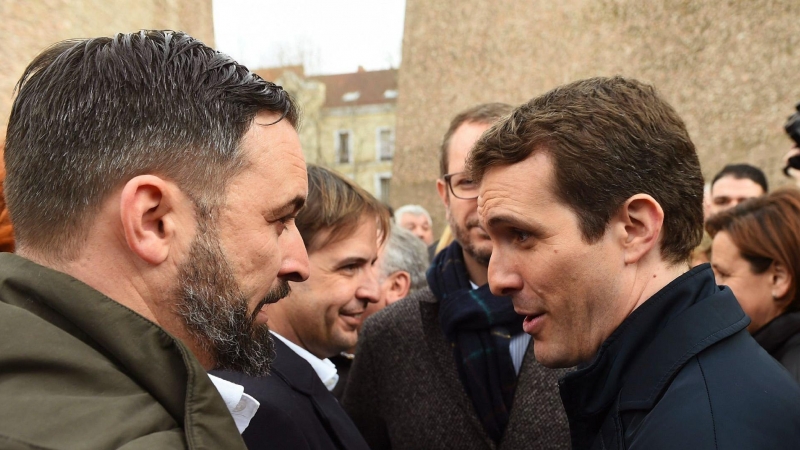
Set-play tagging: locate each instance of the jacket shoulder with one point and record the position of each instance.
(404, 312)
(731, 395)
(47, 369)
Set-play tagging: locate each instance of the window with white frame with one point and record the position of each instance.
(383, 186)
(385, 144)
(343, 150)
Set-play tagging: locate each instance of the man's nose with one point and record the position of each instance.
(294, 266)
(370, 288)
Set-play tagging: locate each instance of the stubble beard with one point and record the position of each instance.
(215, 311)
(462, 235)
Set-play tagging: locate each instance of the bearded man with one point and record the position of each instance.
(152, 183)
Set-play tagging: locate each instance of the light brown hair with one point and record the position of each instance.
(609, 138)
(766, 229)
(334, 208)
(487, 113)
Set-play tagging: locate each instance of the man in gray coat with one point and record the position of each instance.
(449, 366)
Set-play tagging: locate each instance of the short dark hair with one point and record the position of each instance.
(766, 229)
(91, 114)
(743, 172)
(336, 205)
(609, 138)
(487, 113)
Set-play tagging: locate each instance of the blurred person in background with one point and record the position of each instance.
(402, 261)
(415, 219)
(734, 184)
(756, 252)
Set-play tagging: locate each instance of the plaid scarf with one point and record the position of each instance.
(479, 326)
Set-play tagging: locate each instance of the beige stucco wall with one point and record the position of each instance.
(28, 27)
(730, 68)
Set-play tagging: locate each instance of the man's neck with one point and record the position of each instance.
(651, 279)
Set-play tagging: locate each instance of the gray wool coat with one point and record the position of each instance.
(404, 391)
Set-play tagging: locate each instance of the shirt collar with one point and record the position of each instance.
(325, 369)
(242, 406)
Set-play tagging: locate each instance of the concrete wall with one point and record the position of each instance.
(28, 27)
(731, 68)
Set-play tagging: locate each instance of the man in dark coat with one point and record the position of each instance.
(592, 194)
(449, 366)
(342, 226)
(150, 180)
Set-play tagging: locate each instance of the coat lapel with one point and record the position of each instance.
(442, 354)
(300, 376)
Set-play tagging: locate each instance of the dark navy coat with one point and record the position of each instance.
(297, 411)
(682, 372)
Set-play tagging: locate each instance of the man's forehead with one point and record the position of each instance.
(730, 184)
(413, 216)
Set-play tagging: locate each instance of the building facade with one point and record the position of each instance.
(730, 69)
(348, 122)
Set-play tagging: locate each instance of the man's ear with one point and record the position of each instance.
(441, 187)
(147, 211)
(639, 222)
(781, 281)
(399, 285)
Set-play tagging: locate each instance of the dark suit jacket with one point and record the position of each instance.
(297, 411)
(404, 391)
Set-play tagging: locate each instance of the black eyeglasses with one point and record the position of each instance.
(461, 186)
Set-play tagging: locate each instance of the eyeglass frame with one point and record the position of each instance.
(448, 177)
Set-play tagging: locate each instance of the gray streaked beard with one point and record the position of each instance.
(215, 310)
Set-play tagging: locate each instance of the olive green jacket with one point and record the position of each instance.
(79, 370)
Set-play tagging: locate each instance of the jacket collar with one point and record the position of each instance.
(772, 336)
(298, 374)
(637, 362)
(161, 364)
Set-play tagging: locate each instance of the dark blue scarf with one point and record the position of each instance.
(479, 325)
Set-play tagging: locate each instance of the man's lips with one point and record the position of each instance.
(352, 318)
(533, 323)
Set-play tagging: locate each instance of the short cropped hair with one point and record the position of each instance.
(486, 113)
(404, 251)
(414, 210)
(91, 114)
(743, 172)
(766, 229)
(609, 139)
(334, 208)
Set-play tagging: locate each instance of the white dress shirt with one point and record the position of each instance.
(242, 406)
(324, 368)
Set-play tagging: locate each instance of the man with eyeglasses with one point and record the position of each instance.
(443, 367)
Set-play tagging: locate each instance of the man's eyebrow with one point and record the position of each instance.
(352, 260)
(294, 205)
(514, 222)
(503, 219)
